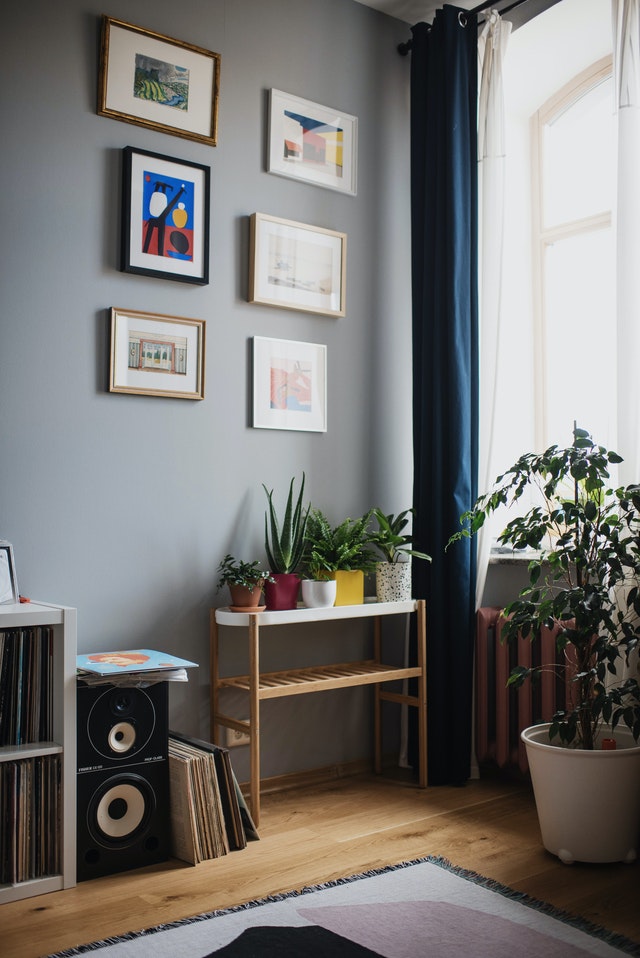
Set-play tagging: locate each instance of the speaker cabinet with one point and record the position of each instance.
(123, 778)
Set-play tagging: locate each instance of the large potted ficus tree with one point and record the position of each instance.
(584, 576)
(284, 541)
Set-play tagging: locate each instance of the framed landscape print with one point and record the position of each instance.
(289, 385)
(312, 142)
(157, 82)
(296, 266)
(165, 217)
(156, 355)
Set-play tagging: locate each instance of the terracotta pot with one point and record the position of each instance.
(244, 599)
(283, 593)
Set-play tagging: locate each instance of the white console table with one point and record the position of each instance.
(266, 685)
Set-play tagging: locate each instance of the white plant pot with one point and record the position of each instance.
(588, 802)
(319, 593)
(393, 581)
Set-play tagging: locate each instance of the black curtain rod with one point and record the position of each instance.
(404, 48)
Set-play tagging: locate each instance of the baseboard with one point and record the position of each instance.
(314, 776)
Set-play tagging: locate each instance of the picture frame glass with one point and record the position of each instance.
(289, 385)
(296, 266)
(311, 142)
(165, 217)
(157, 355)
(155, 81)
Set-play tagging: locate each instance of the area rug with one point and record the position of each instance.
(427, 908)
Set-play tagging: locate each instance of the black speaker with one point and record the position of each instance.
(123, 778)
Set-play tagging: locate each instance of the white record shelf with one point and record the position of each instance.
(61, 822)
(266, 685)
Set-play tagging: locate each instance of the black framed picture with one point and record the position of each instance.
(165, 217)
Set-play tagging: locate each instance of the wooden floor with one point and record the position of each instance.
(315, 834)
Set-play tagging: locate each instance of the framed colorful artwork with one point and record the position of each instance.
(165, 217)
(289, 385)
(8, 579)
(295, 266)
(155, 81)
(156, 355)
(313, 143)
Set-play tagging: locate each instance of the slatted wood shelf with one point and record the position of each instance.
(261, 685)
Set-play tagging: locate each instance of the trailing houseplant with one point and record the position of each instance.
(393, 574)
(284, 541)
(244, 579)
(583, 580)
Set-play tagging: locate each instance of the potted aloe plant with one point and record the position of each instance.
(584, 578)
(393, 574)
(245, 581)
(342, 553)
(284, 541)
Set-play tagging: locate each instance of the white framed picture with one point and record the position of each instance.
(289, 385)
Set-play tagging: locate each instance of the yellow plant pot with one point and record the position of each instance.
(349, 587)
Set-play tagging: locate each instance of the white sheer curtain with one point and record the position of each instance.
(626, 55)
(492, 45)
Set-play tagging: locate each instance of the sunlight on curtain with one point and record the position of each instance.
(492, 45)
(626, 33)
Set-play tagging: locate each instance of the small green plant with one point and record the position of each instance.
(284, 541)
(343, 547)
(390, 538)
(235, 572)
(584, 577)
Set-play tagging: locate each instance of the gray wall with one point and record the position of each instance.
(122, 506)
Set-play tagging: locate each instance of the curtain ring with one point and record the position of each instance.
(462, 20)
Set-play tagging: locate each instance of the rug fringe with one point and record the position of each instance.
(625, 945)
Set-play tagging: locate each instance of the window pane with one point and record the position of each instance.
(579, 159)
(581, 337)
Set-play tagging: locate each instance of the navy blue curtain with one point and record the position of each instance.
(445, 370)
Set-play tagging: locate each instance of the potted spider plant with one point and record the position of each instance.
(393, 573)
(245, 581)
(585, 763)
(342, 553)
(284, 541)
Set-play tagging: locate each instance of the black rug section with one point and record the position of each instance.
(274, 941)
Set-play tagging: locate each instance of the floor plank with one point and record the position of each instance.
(312, 835)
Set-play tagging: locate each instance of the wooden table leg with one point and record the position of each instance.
(421, 611)
(254, 718)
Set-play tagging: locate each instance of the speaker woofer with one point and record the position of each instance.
(120, 810)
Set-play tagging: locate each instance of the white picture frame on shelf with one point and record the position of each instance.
(8, 579)
(289, 385)
(313, 143)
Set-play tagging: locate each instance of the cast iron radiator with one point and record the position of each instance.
(501, 712)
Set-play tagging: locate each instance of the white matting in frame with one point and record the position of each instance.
(311, 142)
(289, 385)
(297, 266)
(156, 355)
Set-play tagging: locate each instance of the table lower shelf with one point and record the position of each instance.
(320, 678)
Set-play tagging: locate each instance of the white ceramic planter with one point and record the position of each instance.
(393, 581)
(319, 594)
(588, 802)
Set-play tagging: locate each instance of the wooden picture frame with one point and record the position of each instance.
(165, 217)
(313, 143)
(156, 355)
(289, 385)
(8, 579)
(297, 266)
(157, 82)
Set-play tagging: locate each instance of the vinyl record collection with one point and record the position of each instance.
(26, 677)
(30, 822)
(209, 816)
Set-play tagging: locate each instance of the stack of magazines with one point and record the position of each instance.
(132, 667)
